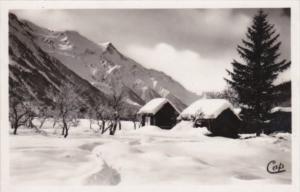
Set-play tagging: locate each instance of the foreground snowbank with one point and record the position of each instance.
(149, 155)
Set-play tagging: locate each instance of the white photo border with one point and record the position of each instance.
(5, 6)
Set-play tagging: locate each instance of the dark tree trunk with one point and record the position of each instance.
(258, 128)
(258, 131)
(120, 126)
(113, 128)
(91, 121)
(103, 127)
(42, 123)
(67, 133)
(15, 129)
(54, 123)
(31, 125)
(134, 124)
(65, 128)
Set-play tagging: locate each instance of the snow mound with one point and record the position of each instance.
(146, 156)
(185, 128)
(209, 108)
(106, 176)
(149, 129)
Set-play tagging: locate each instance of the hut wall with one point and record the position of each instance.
(165, 118)
(226, 124)
(144, 119)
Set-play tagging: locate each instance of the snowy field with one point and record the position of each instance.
(146, 156)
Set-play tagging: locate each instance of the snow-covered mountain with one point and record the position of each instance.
(106, 68)
(32, 71)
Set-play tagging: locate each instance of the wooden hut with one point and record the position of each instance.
(217, 115)
(280, 120)
(159, 112)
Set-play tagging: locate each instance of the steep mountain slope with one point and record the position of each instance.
(106, 68)
(33, 71)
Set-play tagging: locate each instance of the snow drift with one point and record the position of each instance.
(146, 156)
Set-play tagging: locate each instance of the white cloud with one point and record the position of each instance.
(201, 43)
(218, 22)
(52, 19)
(196, 73)
(189, 68)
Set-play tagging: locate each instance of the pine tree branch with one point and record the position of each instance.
(245, 53)
(248, 44)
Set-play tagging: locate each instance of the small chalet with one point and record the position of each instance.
(280, 120)
(159, 112)
(217, 115)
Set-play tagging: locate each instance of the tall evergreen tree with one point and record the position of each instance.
(253, 79)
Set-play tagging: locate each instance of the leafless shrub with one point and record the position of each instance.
(18, 112)
(117, 105)
(66, 106)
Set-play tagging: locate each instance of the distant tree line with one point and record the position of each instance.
(65, 107)
(228, 94)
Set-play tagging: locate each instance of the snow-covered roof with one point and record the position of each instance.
(208, 108)
(153, 106)
(281, 109)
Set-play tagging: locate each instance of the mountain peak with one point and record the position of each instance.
(101, 63)
(108, 46)
(111, 49)
(12, 16)
(105, 44)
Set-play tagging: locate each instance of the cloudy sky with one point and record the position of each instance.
(194, 46)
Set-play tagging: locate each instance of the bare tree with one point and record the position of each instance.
(91, 116)
(231, 96)
(117, 105)
(40, 112)
(30, 105)
(43, 113)
(55, 116)
(228, 94)
(24, 109)
(18, 112)
(132, 116)
(66, 106)
(101, 114)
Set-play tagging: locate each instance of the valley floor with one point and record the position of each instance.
(146, 156)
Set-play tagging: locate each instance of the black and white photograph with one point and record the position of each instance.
(148, 96)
